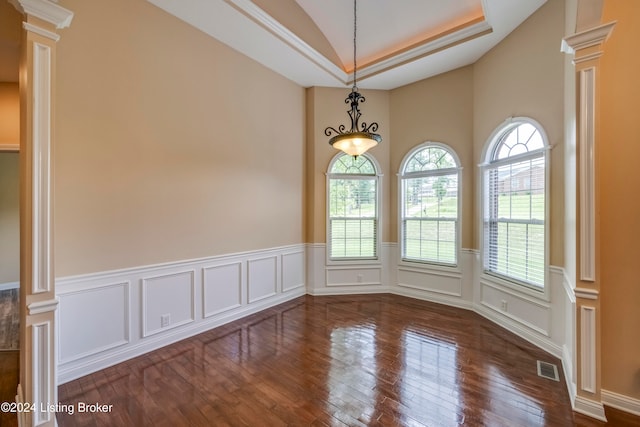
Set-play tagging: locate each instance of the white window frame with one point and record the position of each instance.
(378, 178)
(426, 264)
(492, 142)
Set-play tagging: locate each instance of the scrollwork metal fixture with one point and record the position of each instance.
(360, 137)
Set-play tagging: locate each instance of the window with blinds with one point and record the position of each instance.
(353, 208)
(429, 205)
(515, 205)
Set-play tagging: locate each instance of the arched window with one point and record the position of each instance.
(352, 232)
(429, 226)
(514, 203)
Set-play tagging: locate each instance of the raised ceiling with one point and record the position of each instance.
(399, 41)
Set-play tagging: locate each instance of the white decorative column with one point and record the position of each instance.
(587, 47)
(38, 299)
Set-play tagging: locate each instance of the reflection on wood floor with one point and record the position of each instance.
(333, 361)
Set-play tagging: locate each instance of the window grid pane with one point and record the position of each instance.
(430, 239)
(514, 224)
(430, 207)
(353, 209)
(353, 238)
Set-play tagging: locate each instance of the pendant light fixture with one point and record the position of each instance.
(360, 137)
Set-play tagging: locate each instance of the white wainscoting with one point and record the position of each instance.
(170, 297)
(338, 278)
(542, 322)
(97, 318)
(529, 312)
(221, 288)
(122, 311)
(262, 278)
(108, 317)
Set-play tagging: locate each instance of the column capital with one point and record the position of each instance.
(46, 10)
(590, 39)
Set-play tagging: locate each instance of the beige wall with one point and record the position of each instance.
(326, 107)
(9, 116)
(9, 183)
(170, 145)
(9, 218)
(10, 32)
(619, 181)
(439, 109)
(523, 76)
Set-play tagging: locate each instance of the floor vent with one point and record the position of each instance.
(548, 370)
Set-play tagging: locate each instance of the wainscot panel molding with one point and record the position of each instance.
(105, 323)
(529, 312)
(293, 271)
(168, 301)
(41, 367)
(452, 287)
(345, 278)
(221, 288)
(541, 322)
(141, 309)
(429, 280)
(588, 371)
(262, 278)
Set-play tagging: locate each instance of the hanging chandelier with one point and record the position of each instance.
(360, 137)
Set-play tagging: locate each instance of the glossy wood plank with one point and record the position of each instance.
(8, 385)
(375, 360)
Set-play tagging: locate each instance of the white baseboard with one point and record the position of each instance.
(432, 297)
(590, 408)
(9, 285)
(349, 290)
(567, 368)
(520, 330)
(621, 402)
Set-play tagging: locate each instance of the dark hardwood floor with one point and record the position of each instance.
(334, 361)
(8, 385)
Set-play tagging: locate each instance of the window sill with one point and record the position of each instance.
(439, 269)
(515, 287)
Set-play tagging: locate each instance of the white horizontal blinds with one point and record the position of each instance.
(353, 218)
(514, 217)
(430, 207)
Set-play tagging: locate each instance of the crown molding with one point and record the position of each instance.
(464, 34)
(588, 38)
(45, 10)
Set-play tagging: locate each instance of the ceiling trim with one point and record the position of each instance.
(258, 15)
(432, 45)
(460, 34)
(250, 30)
